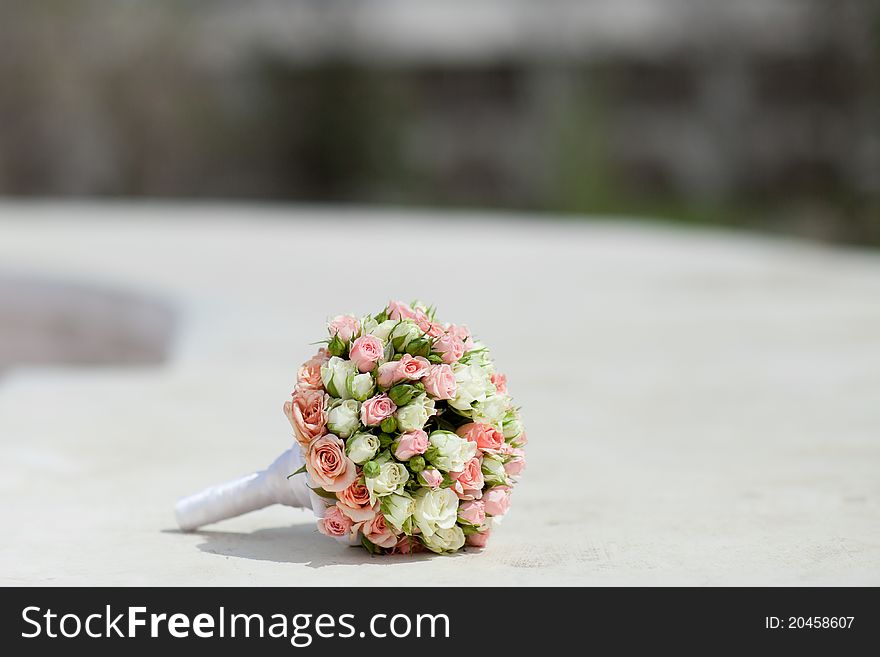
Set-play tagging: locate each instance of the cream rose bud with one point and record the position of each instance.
(414, 415)
(494, 473)
(368, 323)
(511, 425)
(398, 509)
(472, 384)
(343, 417)
(491, 410)
(405, 332)
(383, 330)
(445, 540)
(435, 509)
(449, 452)
(335, 374)
(361, 386)
(361, 447)
(391, 479)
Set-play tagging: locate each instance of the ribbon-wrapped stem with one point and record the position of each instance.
(274, 485)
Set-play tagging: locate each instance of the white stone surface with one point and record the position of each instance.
(703, 408)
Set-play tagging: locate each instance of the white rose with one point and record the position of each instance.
(335, 373)
(493, 471)
(445, 540)
(361, 386)
(391, 478)
(398, 509)
(343, 417)
(404, 332)
(362, 447)
(449, 452)
(435, 510)
(383, 330)
(415, 414)
(491, 410)
(472, 384)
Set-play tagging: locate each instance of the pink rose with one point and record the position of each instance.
(400, 310)
(408, 545)
(487, 437)
(463, 333)
(500, 383)
(309, 374)
(432, 329)
(366, 351)
(388, 374)
(450, 348)
(345, 326)
(376, 409)
(440, 382)
(473, 512)
(496, 500)
(334, 523)
(379, 533)
(480, 539)
(410, 444)
(305, 411)
(431, 478)
(328, 466)
(515, 466)
(354, 502)
(412, 367)
(469, 482)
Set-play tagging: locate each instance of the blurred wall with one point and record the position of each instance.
(755, 112)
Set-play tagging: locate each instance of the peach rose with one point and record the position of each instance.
(354, 502)
(388, 374)
(412, 367)
(334, 523)
(487, 437)
(306, 414)
(500, 383)
(480, 539)
(469, 482)
(376, 409)
(366, 351)
(473, 512)
(379, 533)
(328, 466)
(309, 375)
(345, 326)
(440, 382)
(450, 348)
(410, 444)
(496, 500)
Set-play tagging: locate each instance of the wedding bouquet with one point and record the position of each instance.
(405, 433)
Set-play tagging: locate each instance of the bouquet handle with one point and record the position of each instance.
(274, 485)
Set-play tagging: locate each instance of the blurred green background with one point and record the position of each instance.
(756, 113)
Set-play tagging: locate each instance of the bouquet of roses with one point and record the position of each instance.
(406, 435)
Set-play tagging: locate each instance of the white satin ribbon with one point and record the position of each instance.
(251, 492)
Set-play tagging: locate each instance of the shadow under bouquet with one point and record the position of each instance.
(406, 439)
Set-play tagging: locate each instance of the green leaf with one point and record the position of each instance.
(302, 469)
(371, 547)
(324, 493)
